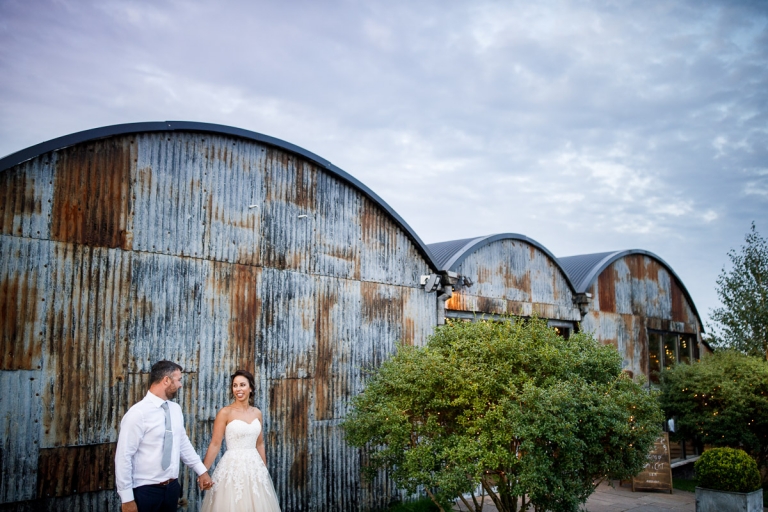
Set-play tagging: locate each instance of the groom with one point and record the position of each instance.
(151, 439)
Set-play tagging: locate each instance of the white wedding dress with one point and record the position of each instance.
(241, 481)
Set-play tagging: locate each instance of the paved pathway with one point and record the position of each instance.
(620, 499)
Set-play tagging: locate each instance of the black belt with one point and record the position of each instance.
(164, 484)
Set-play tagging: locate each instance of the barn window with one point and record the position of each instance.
(666, 349)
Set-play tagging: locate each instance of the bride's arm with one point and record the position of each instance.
(219, 425)
(260, 440)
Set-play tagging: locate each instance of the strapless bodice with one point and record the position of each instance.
(241, 435)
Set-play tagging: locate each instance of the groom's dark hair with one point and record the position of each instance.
(162, 369)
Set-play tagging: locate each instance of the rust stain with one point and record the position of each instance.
(324, 330)
(636, 265)
(372, 302)
(522, 283)
(75, 470)
(377, 232)
(489, 305)
(454, 303)
(90, 201)
(642, 340)
(606, 286)
(20, 341)
(246, 304)
(86, 342)
(515, 308)
(289, 407)
(17, 199)
(678, 302)
(409, 331)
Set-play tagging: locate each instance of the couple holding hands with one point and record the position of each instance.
(152, 439)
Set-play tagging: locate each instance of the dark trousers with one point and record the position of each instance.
(153, 498)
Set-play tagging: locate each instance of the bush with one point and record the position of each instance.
(727, 469)
(720, 401)
(509, 406)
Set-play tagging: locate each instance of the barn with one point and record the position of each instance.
(211, 246)
(638, 304)
(221, 248)
(507, 274)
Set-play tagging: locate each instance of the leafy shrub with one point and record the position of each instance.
(420, 505)
(727, 469)
(720, 401)
(509, 406)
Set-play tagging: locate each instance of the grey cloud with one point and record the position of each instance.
(587, 126)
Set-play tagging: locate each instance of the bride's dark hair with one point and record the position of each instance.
(251, 382)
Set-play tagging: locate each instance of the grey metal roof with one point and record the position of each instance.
(168, 126)
(583, 269)
(443, 251)
(449, 255)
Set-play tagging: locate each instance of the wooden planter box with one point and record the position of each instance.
(708, 500)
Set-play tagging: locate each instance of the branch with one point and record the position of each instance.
(434, 500)
(496, 500)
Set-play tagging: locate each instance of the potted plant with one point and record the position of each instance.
(728, 480)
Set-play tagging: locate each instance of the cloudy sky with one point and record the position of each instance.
(587, 126)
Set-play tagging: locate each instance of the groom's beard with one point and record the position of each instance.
(170, 395)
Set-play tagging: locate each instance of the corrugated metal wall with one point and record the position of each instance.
(633, 294)
(217, 253)
(514, 277)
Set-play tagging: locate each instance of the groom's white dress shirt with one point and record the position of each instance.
(139, 450)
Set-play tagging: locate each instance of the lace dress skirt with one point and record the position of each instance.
(241, 481)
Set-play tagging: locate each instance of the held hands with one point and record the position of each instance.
(204, 482)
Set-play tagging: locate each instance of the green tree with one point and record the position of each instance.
(743, 291)
(721, 400)
(509, 405)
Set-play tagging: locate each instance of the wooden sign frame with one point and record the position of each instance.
(657, 473)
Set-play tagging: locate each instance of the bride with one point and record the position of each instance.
(241, 481)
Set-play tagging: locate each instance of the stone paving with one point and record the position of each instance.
(621, 498)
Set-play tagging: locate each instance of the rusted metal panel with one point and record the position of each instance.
(198, 195)
(606, 290)
(88, 502)
(514, 277)
(91, 199)
(633, 294)
(20, 419)
(289, 212)
(23, 288)
(338, 229)
(229, 331)
(26, 194)
(387, 254)
(167, 306)
(288, 441)
(337, 323)
(75, 469)
(288, 327)
(86, 342)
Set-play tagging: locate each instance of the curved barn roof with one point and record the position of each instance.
(583, 270)
(449, 255)
(187, 126)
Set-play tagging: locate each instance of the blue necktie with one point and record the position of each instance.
(168, 441)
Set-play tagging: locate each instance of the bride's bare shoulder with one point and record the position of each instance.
(224, 412)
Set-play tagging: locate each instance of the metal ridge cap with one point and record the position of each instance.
(192, 126)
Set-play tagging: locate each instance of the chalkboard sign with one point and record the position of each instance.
(657, 473)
